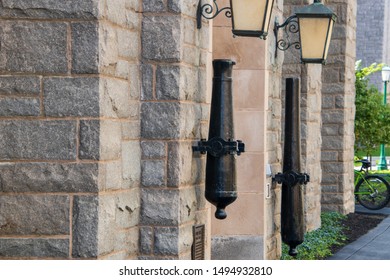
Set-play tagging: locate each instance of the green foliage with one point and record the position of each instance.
(372, 119)
(318, 243)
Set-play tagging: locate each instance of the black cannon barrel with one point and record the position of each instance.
(292, 224)
(221, 148)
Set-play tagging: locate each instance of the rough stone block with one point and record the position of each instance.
(71, 97)
(115, 99)
(160, 120)
(85, 227)
(168, 83)
(237, 248)
(20, 85)
(33, 47)
(89, 139)
(86, 9)
(146, 240)
(153, 173)
(110, 175)
(128, 44)
(38, 140)
(30, 214)
(160, 31)
(131, 130)
(34, 248)
(166, 241)
(19, 107)
(147, 89)
(179, 169)
(131, 167)
(153, 149)
(110, 140)
(159, 207)
(48, 177)
(85, 48)
(127, 207)
(154, 6)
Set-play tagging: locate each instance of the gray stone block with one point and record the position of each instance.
(154, 6)
(146, 240)
(168, 83)
(159, 207)
(237, 248)
(20, 85)
(147, 82)
(85, 227)
(89, 139)
(71, 97)
(160, 31)
(160, 120)
(86, 9)
(166, 241)
(34, 248)
(19, 107)
(38, 140)
(153, 173)
(85, 48)
(48, 177)
(33, 214)
(33, 47)
(153, 149)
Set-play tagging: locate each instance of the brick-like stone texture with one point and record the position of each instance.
(85, 48)
(33, 47)
(20, 85)
(64, 97)
(153, 173)
(48, 177)
(34, 215)
(35, 248)
(85, 227)
(10, 107)
(89, 139)
(86, 9)
(38, 140)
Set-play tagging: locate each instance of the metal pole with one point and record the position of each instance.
(382, 159)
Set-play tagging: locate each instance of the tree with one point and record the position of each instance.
(372, 119)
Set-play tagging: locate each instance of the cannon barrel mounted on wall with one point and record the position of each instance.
(292, 219)
(221, 148)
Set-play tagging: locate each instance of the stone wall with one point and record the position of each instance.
(338, 112)
(174, 113)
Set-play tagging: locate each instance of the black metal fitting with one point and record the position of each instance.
(292, 178)
(217, 147)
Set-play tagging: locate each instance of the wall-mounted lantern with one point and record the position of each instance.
(250, 18)
(315, 25)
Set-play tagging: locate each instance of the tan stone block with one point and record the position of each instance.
(251, 172)
(250, 128)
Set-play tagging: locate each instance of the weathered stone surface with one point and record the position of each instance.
(33, 214)
(179, 167)
(48, 177)
(237, 248)
(115, 99)
(33, 47)
(110, 140)
(154, 6)
(19, 107)
(153, 173)
(159, 207)
(153, 149)
(166, 241)
(128, 43)
(38, 140)
(168, 83)
(160, 120)
(158, 31)
(20, 85)
(147, 82)
(146, 240)
(89, 139)
(85, 48)
(71, 97)
(86, 9)
(85, 227)
(131, 167)
(37, 248)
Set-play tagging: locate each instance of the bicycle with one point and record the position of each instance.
(371, 191)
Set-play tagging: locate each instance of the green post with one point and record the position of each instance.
(382, 160)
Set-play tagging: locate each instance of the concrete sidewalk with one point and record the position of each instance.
(375, 245)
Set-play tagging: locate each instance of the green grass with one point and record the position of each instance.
(318, 243)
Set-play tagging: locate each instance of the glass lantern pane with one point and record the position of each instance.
(313, 32)
(386, 74)
(249, 14)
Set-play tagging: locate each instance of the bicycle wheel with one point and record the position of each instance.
(373, 192)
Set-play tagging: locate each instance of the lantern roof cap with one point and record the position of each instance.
(317, 9)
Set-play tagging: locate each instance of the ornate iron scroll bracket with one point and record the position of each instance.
(292, 178)
(217, 147)
(210, 11)
(290, 26)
